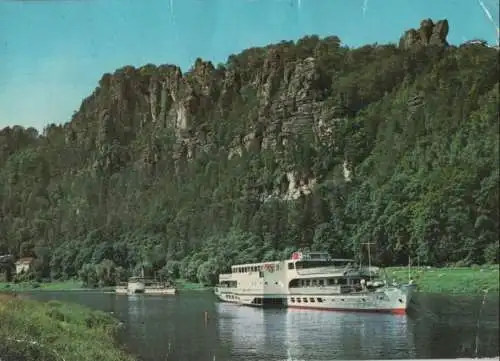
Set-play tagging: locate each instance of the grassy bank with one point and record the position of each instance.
(31, 330)
(49, 286)
(182, 284)
(460, 280)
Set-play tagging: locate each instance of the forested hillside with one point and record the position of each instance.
(297, 144)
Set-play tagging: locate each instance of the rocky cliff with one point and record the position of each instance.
(297, 143)
(276, 92)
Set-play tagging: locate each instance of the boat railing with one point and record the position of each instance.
(323, 270)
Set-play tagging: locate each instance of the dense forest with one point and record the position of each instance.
(297, 144)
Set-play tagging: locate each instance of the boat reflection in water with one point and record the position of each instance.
(257, 334)
(348, 335)
(242, 327)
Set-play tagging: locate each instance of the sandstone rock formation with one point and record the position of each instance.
(429, 33)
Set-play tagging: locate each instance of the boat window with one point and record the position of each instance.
(298, 300)
(320, 282)
(313, 282)
(292, 299)
(342, 281)
(308, 282)
(320, 299)
(311, 299)
(261, 274)
(291, 265)
(304, 299)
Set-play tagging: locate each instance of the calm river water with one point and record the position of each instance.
(173, 328)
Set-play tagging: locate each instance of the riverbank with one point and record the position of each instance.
(32, 330)
(76, 285)
(70, 285)
(182, 284)
(459, 280)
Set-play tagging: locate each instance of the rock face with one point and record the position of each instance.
(283, 96)
(429, 33)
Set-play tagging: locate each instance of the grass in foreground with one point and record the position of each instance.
(53, 331)
(460, 280)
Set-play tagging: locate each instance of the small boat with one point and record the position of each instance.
(133, 286)
(314, 281)
(142, 285)
(159, 288)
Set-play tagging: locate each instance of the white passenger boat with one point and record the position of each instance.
(313, 280)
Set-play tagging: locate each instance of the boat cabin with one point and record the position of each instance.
(256, 267)
(304, 260)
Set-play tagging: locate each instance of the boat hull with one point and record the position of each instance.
(146, 291)
(386, 300)
(226, 296)
(394, 300)
(253, 300)
(160, 291)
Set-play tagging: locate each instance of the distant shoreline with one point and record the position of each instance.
(454, 281)
(75, 285)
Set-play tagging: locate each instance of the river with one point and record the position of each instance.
(173, 328)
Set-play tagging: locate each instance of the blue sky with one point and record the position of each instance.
(52, 53)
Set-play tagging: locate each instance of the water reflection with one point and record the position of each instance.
(449, 326)
(258, 334)
(244, 326)
(348, 335)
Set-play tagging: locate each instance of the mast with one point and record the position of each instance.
(369, 257)
(409, 268)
